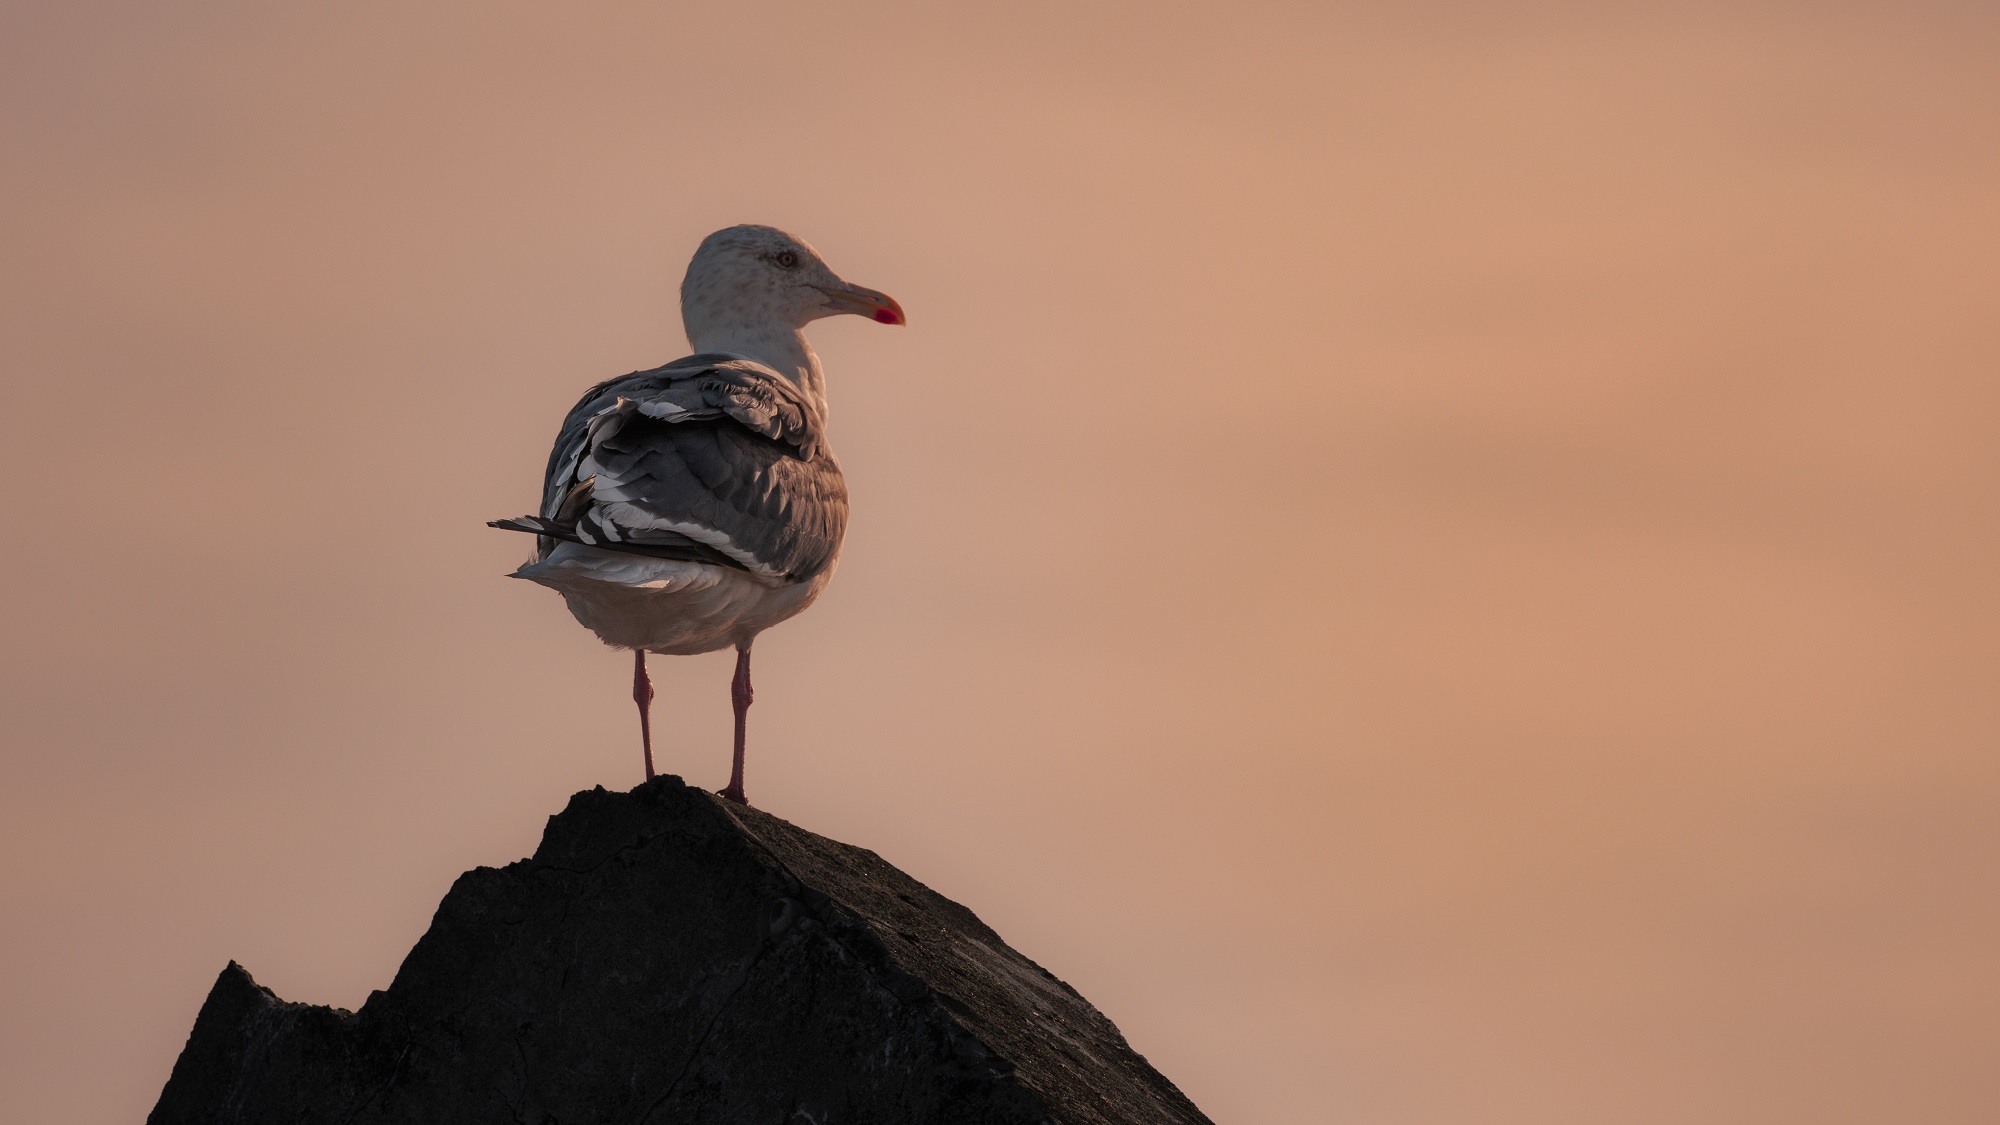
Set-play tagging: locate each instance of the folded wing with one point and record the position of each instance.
(713, 458)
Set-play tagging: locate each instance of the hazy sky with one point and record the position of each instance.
(1436, 561)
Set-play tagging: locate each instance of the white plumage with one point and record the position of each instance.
(690, 507)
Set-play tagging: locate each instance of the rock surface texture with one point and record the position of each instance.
(667, 957)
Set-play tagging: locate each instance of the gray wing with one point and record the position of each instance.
(713, 457)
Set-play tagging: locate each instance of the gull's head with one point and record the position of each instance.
(749, 280)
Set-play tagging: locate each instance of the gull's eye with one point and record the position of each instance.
(787, 260)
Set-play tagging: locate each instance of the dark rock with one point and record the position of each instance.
(667, 957)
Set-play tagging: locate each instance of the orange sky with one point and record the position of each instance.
(1435, 561)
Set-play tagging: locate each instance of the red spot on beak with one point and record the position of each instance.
(888, 316)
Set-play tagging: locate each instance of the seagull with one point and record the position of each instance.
(690, 507)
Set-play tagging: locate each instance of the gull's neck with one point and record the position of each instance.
(782, 349)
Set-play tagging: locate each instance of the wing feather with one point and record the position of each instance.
(712, 453)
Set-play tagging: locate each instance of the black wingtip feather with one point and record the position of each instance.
(688, 552)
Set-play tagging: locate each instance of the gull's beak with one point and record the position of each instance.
(862, 302)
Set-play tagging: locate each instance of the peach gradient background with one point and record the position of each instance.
(1437, 561)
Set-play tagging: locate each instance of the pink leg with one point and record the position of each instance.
(642, 694)
(739, 696)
